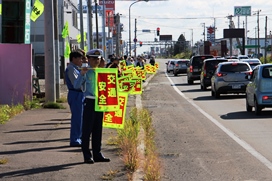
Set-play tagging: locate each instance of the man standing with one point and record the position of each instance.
(92, 120)
(75, 98)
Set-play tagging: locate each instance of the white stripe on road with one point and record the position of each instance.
(241, 142)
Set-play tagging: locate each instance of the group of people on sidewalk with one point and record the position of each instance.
(81, 81)
(85, 121)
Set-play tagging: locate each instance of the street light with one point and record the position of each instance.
(130, 25)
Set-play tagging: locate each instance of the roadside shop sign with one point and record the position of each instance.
(106, 90)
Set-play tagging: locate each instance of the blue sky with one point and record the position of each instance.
(175, 17)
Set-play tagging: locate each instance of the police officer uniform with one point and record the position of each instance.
(92, 120)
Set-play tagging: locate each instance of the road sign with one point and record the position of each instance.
(242, 10)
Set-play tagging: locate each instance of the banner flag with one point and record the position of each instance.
(121, 79)
(128, 86)
(65, 30)
(128, 73)
(116, 119)
(107, 90)
(137, 88)
(157, 65)
(67, 50)
(37, 10)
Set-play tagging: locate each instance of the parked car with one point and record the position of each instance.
(259, 89)
(194, 68)
(180, 66)
(170, 65)
(230, 77)
(253, 62)
(207, 71)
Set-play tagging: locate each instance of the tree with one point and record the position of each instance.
(180, 45)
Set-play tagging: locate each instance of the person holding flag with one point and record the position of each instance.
(92, 120)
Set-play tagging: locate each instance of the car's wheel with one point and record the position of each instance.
(212, 92)
(257, 108)
(248, 107)
(216, 94)
(190, 81)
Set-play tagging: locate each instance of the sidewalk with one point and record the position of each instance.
(36, 147)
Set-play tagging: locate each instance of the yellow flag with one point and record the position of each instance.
(67, 50)
(78, 38)
(85, 36)
(65, 31)
(0, 9)
(37, 10)
(85, 48)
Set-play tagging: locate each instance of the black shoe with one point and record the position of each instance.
(89, 161)
(75, 145)
(101, 159)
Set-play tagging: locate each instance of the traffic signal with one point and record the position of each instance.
(141, 43)
(158, 31)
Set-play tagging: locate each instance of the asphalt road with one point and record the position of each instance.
(191, 146)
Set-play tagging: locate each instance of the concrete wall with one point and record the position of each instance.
(15, 73)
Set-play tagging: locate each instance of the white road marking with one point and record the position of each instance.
(235, 137)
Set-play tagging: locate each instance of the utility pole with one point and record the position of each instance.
(204, 31)
(104, 30)
(81, 25)
(49, 51)
(135, 34)
(90, 24)
(96, 24)
(265, 40)
(258, 13)
(56, 36)
(230, 27)
(118, 35)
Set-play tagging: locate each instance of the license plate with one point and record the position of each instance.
(195, 70)
(236, 86)
(183, 66)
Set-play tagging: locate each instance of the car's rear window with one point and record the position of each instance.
(267, 72)
(234, 68)
(198, 61)
(182, 62)
(211, 65)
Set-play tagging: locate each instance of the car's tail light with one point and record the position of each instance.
(249, 73)
(265, 97)
(177, 65)
(219, 74)
(191, 68)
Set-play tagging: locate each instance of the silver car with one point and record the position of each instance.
(259, 89)
(253, 62)
(170, 65)
(230, 77)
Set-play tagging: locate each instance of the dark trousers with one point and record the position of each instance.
(92, 125)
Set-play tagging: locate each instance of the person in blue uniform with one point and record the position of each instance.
(92, 120)
(75, 98)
